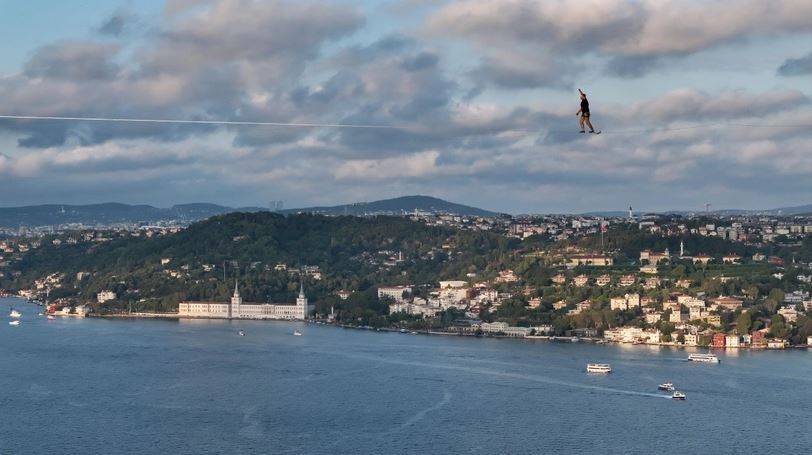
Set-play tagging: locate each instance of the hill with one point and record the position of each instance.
(397, 206)
(353, 253)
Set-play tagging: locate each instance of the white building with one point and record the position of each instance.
(105, 296)
(237, 309)
(394, 292)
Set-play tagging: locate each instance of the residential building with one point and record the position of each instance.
(105, 296)
(731, 259)
(732, 341)
(593, 260)
(702, 259)
(394, 292)
(790, 314)
(603, 280)
(727, 303)
(559, 279)
(719, 340)
(628, 280)
(581, 280)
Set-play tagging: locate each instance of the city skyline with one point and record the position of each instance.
(481, 95)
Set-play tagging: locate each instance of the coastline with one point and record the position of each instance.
(547, 338)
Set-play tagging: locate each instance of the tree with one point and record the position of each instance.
(744, 323)
(778, 328)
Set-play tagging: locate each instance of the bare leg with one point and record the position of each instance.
(591, 128)
(581, 123)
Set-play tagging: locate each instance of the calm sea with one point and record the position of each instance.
(193, 387)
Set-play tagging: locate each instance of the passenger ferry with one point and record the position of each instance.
(668, 387)
(706, 358)
(598, 368)
(678, 396)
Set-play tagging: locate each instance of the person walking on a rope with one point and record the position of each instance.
(584, 113)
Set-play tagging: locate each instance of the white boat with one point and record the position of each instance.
(15, 314)
(297, 333)
(241, 333)
(598, 368)
(668, 387)
(705, 358)
(51, 317)
(15, 322)
(678, 395)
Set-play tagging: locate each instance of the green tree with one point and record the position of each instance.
(778, 328)
(744, 323)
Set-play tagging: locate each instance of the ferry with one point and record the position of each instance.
(598, 368)
(668, 387)
(678, 396)
(297, 333)
(705, 358)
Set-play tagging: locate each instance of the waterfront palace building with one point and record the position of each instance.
(236, 309)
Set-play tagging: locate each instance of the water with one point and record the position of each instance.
(151, 386)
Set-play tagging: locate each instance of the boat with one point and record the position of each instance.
(14, 322)
(50, 316)
(677, 395)
(598, 368)
(14, 314)
(297, 333)
(668, 387)
(705, 358)
(241, 333)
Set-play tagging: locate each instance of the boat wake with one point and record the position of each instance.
(501, 374)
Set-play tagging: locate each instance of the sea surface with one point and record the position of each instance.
(107, 386)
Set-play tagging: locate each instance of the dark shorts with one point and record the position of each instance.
(585, 114)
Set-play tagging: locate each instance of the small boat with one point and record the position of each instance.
(51, 317)
(678, 396)
(704, 358)
(297, 333)
(14, 314)
(668, 387)
(15, 322)
(241, 333)
(598, 368)
(402, 330)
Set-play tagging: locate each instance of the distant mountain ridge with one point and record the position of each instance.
(109, 213)
(785, 211)
(395, 206)
(113, 212)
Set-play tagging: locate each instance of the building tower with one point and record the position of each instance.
(681, 249)
(301, 301)
(236, 301)
(631, 214)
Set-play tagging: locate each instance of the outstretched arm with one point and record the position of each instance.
(582, 93)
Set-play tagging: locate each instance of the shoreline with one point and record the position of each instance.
(547, 338)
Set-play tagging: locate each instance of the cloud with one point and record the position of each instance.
(457, 131)
(73, 60)
(796, 66)
(632, 35)
(117, 24)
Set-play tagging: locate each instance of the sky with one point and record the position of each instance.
(699, 102)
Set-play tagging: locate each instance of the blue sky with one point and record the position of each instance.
(484, 94)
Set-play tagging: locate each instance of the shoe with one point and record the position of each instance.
(592, 131)
(582, 131)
